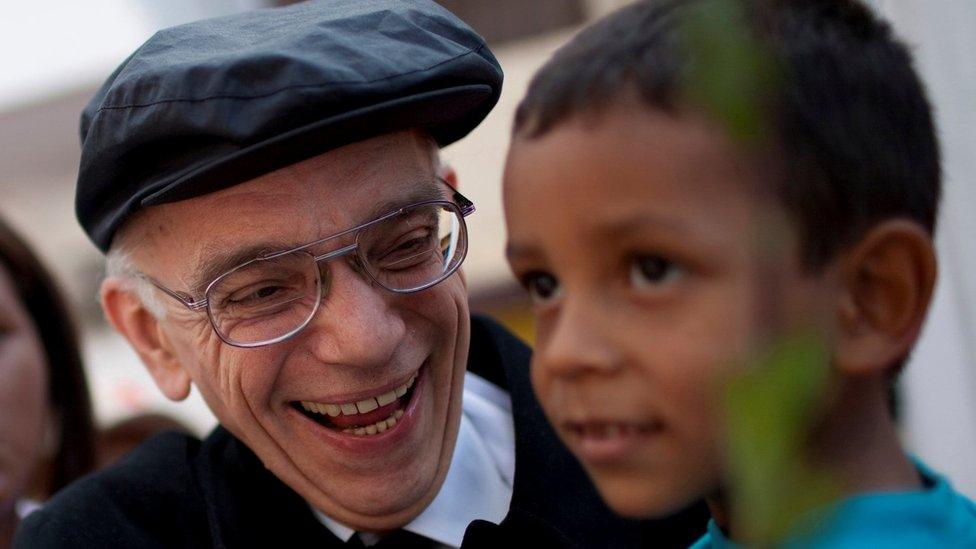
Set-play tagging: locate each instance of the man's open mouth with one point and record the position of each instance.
(369, 416)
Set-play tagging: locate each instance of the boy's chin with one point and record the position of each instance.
(643, 499)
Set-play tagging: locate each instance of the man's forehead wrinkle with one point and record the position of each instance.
(420, 164)
(220, 238)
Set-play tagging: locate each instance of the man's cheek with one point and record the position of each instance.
(458, 293)
(442, 305)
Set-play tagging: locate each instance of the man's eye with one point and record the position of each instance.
(407, 251)
(542, 287)
(256, 295)
(648, 271)
(404, 248)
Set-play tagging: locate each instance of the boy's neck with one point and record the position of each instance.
(857, 442)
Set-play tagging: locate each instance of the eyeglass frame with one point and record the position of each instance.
(461, 204)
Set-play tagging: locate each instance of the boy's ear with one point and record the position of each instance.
(127, 314)
(887, 283)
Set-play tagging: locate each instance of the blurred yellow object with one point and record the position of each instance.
(516, 318)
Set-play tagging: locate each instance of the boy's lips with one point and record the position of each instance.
(604, 441)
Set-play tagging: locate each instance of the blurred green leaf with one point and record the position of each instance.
(770, 412)
(772, 408)
(730, 71)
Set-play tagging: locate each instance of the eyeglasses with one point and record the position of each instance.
(274, 296)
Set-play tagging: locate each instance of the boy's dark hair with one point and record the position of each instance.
(849, 116)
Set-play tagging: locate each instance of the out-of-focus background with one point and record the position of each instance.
(55, 53)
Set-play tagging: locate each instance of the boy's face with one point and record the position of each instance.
(651, 259)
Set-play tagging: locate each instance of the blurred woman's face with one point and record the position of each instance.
(23, 394)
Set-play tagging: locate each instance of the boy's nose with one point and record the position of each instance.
(356, 323)
(579, 341)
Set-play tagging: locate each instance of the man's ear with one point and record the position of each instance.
(127, 314)
(446, 172)
(887, 283)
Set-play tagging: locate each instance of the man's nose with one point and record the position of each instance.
(578, 340)
(356, 322)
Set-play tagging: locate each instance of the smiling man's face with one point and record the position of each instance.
(365, 344)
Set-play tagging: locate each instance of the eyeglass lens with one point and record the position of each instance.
(268, 300)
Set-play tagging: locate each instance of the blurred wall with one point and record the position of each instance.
(940, 381)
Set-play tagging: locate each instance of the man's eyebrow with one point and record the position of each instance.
(424, 191)
(222, 261)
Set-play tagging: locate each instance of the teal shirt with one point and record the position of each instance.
(935, 516)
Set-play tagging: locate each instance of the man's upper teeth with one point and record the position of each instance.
(360, 407)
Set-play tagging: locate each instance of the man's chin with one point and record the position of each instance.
(386, 499)
(374, 509)
(370, 482)
(382, 501)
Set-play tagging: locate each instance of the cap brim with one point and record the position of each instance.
(446, 114)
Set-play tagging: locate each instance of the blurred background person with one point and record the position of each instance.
(46, 427)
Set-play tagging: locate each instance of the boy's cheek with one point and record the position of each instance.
(542, 384)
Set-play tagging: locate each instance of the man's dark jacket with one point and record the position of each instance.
(177, 491)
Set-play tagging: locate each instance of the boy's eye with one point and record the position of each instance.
(652, 270)
(542, 287)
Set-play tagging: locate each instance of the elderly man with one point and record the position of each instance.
(282, 236)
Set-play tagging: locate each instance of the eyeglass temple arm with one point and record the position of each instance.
(185, 299)
(467, 207)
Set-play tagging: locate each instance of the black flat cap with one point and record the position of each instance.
(208, 105)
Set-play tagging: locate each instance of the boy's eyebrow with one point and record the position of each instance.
(615, 228)
(625, 225)
(519, 250)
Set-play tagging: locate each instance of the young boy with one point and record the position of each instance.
(666, 243)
